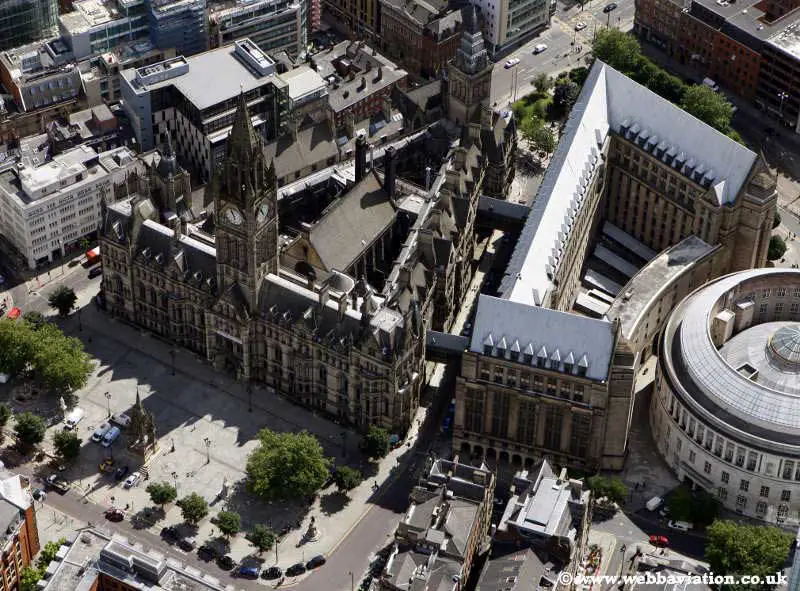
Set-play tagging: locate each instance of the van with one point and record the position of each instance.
(110, 437)
(680, 525)
(539, 49)
(654, 503)
(73, 418)
(711, 84)
(101, 432)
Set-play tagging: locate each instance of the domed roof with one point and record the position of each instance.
(785, 344)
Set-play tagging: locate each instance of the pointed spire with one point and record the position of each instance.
(471, 25)
(243, 138)
(168, 151)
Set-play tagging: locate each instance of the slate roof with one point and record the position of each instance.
(523, 567)
(352, 223)
(314, 144)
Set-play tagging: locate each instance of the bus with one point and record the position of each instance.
(92, 256)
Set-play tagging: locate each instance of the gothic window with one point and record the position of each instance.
(552, 427)
(526, 422)
(500, 414)
(473, 411)
(581, 427)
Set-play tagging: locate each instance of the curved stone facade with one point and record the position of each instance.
(725, 412)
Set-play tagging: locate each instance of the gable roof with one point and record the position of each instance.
(352, 223)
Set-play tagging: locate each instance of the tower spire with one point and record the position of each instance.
(243, 138)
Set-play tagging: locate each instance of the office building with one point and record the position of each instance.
(443, 530)
(20, 537)
(95, 27)
(357, 19)
(47, 205)
(509, 22)
(174, 98)
(420, 36)
(273, 25)
(25, 21)
(623, 185)
(178, 24)
(723, 413)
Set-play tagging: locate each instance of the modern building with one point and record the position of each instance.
(173, 98)
(273, 25)
(445, 528)
(421, 36)
(40, 75)
(508, 23)
(178, 24)
(95, 27)
(92, 559)
(538, 379)
(47, 207)
(20, 537)
(25, 21)
(723, 413)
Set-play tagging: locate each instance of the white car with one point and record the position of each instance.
(122, 420)
(512, 62)
(539, 49)
(101, 431)
(680, 525)
(580, 26)
(131, 480)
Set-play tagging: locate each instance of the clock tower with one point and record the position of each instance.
(246, 213)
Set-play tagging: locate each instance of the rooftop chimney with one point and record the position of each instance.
(361, 157)
(390, 171)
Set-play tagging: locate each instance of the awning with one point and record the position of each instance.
(14, 313)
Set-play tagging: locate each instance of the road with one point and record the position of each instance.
(561, 53)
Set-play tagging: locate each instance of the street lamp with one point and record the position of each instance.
(207, 441)
(352, 581)
(783, 96)
(175, 479)
(108, 403)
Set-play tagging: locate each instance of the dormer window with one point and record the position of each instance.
(527, 356)
(555, 360)
(541, 357)
(583, 366)
(569, 363)
(501, 348)
(515, 351)
(488, 345)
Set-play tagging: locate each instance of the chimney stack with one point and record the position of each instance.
(390, 172)
(361, 157)
(324, 294)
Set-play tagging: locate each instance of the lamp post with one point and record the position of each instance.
(277, 541)
(783, 96)
(207, 441)
(108, 403)
(175, 479)
(352, 581)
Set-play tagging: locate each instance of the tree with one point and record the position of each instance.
(193, 508)
(543, 140)
(286, 465)
(542, 82)
(375, 442)
(776, 219)
(777, 248)
(60, 361)
(34, 318)
(346, 478)
(733, 549)
(619, 50)
(16, 346)
(29, 577)
(29, 429)
(564, 96)
(261, 537)
(604, 486)
(62, 299)
(708, 106)
(706, 508)
(5, 414)
(161, 493)
(67, 444)
(229, 523)
(48, 553)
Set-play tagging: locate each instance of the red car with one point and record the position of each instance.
(114, 514)
(659, 541)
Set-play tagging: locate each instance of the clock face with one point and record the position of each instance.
(263, 212)
(233, 216)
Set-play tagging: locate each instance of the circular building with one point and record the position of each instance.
(725, 413)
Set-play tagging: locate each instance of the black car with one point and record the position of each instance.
(206, 553)
(187, 544)
(170, 534)
(226, 562)
(610, 7)
(95, 272)
(121, 473)
(273, 572)
(315, 562)
(296, 569)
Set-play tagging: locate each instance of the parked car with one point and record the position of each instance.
(122, 420)
(580, 26)
(664, 512)
(59, 485)
(115, 514)
(187, 544)
(95, 272)
(248, 572)
(110, 437)
(539, 49)
(121, 472)
(73, 418)
(131, 480)
(512, 62)
(101, 431)
(659, 541)
(206, 553)
(654, 503)
(170, 534)
(296, 569)
(38, 494)
(226, 562)
(680, 525)
(316, 562)
(273, 572)
(609, 7)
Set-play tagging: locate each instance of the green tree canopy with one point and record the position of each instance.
(61, 362)
(67, 444)
(16, 346)
(708, 106)
(29, 577)
(542, 82)
(261, 537)
(538, 135)
(376, 442)
(776, 219)
(34, 318)
(605, 486)
(48, 553)
(193, 508)
(161, 493)
(777, 248)
(733, 549)
(5, 414)
(229, 523)
(286, 465)
(29, 429)
(346, 478)
(619, 50)
(62, 299)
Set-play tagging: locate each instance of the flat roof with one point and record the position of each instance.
(303, 81)
(788, 39)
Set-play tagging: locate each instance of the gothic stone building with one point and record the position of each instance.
(337, 346)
